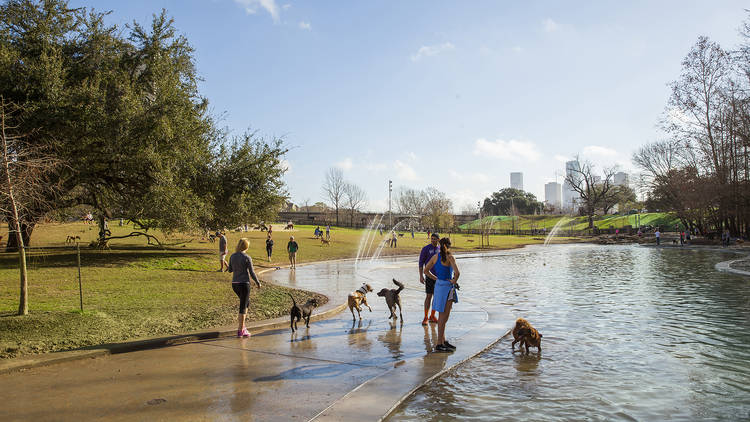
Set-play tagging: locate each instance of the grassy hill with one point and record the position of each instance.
(530, 222)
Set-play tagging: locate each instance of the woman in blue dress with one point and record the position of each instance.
(442, 267)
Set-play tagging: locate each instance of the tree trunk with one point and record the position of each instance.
(26, 230)
(13, 222)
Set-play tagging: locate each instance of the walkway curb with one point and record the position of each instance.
(379, 397)
(33, 361)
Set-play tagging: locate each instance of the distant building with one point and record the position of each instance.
(621, 179)
(569, 196)
(516, 180)
(553, 194)
(597, 180)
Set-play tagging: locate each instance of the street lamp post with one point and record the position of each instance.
(390, 215)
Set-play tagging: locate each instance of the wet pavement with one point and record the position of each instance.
(338, 369)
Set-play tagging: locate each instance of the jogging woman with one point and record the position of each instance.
(241, 267)
(442, 267)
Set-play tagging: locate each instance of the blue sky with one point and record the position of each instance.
(449, 94)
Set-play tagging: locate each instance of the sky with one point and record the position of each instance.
(448, 94)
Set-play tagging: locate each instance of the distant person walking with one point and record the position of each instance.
(657, 234)
(682, 238)
(425, 255)
(241, 267)
(223, 266)
(393, 239)
(328, 232)
(269, 246)
(292, 247)
(443, 267)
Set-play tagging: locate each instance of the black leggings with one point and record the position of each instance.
(243, 292)
(269, 250)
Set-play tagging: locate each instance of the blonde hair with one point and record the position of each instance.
(242, 245)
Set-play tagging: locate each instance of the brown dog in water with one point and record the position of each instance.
(527, 335)
(357, 298)
(392, 299)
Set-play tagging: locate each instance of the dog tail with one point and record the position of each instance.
(293, 301)
(399, 284)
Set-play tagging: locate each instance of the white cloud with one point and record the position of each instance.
(561, 158)
(412, 156)
(469, 177)
(345, 164)
(286, 6)
(370, 166)
(431, 50)
(252, 6)
(517, 49)
(305, 25)
(507, 150)
(405, 171)
(550, 25)
(286, 166)
(599, 151)
(466, 198)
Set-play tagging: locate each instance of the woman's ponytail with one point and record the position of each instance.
(444, 250)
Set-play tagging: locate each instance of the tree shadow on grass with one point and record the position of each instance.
(56, 258)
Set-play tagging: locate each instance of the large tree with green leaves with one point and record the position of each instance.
(510, 201)
(247, 182)
(125, 114)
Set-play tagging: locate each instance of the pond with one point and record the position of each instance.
(630, 333)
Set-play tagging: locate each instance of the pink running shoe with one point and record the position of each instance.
(243, 333)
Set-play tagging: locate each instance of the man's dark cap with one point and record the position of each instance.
(435, 235)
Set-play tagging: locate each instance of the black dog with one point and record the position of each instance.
(392, 299)
(300, 312)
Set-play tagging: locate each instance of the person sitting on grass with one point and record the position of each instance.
(241, 267)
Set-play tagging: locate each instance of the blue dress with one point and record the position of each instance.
(444, 289)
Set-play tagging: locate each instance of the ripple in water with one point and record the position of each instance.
(630, 333)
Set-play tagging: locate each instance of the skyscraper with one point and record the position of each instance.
(569, 196)
(516, 180)
(553, 195)
(621, 179)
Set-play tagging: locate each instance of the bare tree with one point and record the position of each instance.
(411, 202)
(24, 177)
(438, 211)
(333, 189)
(594, 192)
(354, 199)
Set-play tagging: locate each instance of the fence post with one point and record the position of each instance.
(80, 287)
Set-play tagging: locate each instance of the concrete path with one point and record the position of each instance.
(335, 370)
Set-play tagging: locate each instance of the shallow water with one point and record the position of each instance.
(630, 333)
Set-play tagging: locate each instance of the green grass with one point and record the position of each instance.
(528, 222)
(135, 290)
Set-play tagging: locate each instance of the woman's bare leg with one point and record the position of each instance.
(442, 320)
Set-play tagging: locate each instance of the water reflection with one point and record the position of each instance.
(391, 339)
(630, 333)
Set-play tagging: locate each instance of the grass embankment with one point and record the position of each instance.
(134, 290)
(536, 222)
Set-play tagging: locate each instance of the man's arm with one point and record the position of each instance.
(421, 266)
